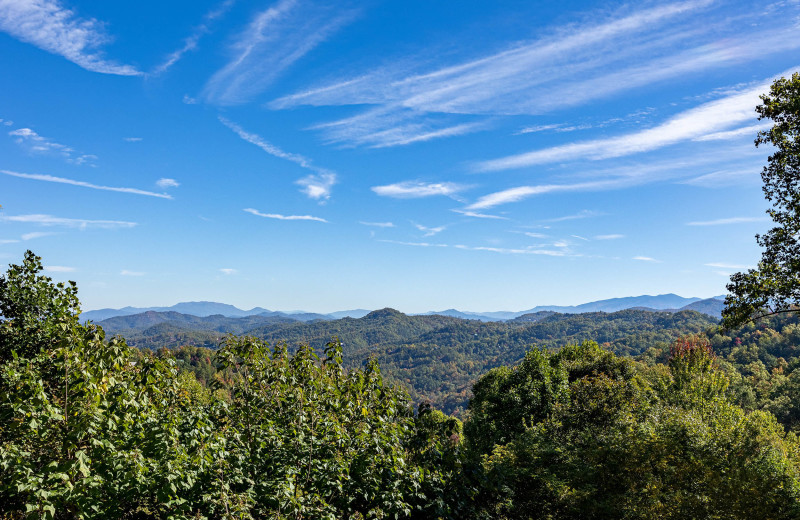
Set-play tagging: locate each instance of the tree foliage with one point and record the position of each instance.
(774, 285)
(621, 441)
(92, 428)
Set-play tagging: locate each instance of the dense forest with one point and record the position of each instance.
(699, 426)
(435, 358)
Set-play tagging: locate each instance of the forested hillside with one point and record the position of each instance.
(436, 358)
(93, 428)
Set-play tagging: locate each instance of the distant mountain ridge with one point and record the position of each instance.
(202, 309)
(662, 302)
(205, 309)
(436, 357)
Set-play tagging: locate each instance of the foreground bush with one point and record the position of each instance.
(91, 428)
(584, 434)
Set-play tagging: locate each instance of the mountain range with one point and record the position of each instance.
(437, 358)
(662, 302)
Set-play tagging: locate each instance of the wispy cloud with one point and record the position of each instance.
(126, 272)
(609, 237)
(378, 224)
(646, 259)
(61, 180)
(318, 186)
(283, 217)
(726, 177)
(417, 189)
(726, 221)
(560, 128)
(315, 186)
(523, 192)
(190, 43)
(227, 271)
(49, 220)
(513, 251)
(36, 234)
(583, 62)
(429, 231)
(132, 139)
(512, 81)
(539, 128)
(165, 183)
(52, 27)
(381, 128)
(476, 214)
(745, 131)
(722, 265)
(58, 269)
(413, 244)
(706, 119)
(273, 41)
(37, 144)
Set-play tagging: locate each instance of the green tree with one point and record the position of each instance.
(627, 441)
(774, 285)
(89, 428)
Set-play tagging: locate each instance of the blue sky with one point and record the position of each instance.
(296, 154)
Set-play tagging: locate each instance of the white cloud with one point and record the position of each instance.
(190, 43)
(584, 213)
(165, 183)
(609, 237)
(413, 244)
(726, 177)
(380, 128)
(522, 192)
(49, 220)
(512, 251)
(416, 189)
(34, 143)
(318, 186)
(429, 231)
(273, 150)
(125, 272)
(582, 62)
(61, 180)
(58, 269)
(511, 81)
(748, 131)
(36, 234)
(283, 217)
(9, 241)
(378, 224)
(721, 265)
(538, 128)
(475, 214)
(646, 259)
(84, 159)
(132, 139)
(58, 30)
(534, 235)
(725, 221)
(273, 41)
(700, 121)
(228, 271)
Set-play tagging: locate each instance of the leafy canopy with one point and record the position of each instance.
(774, 285)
